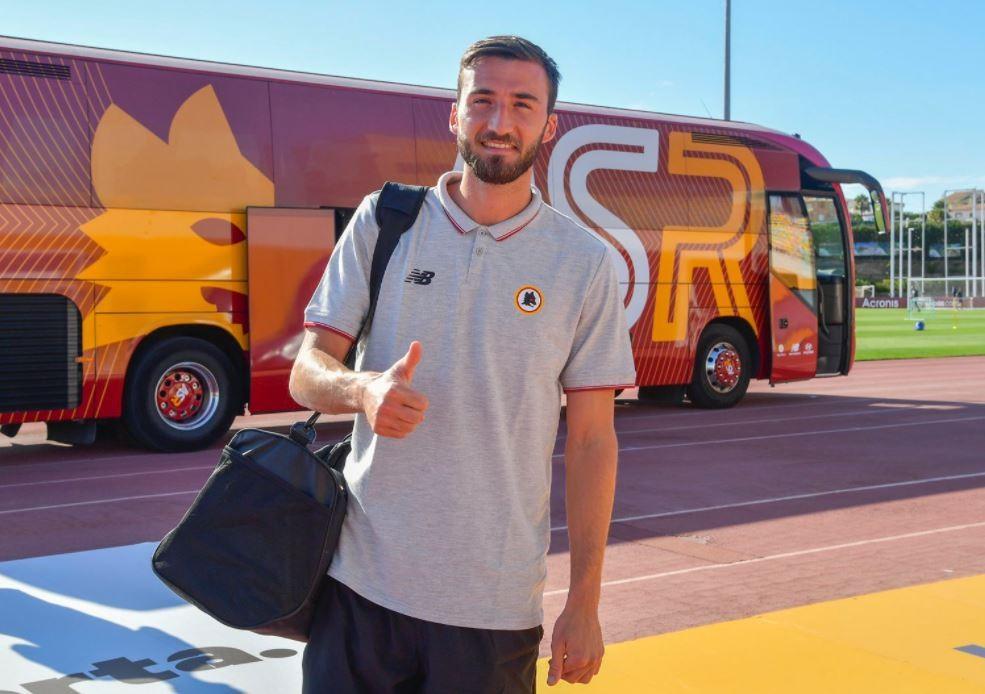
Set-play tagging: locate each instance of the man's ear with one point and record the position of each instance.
(453, 118)
(550, 130)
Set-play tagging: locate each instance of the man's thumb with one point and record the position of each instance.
(408, 363)
(557, 662)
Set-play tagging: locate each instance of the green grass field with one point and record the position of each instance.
(885, 333)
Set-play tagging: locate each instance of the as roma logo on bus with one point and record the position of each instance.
(528, 299)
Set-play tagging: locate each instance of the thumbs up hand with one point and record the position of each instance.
(404, 368)
(392, 407)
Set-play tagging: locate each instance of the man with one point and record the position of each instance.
(439, 577)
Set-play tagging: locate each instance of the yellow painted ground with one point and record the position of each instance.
(899, 641)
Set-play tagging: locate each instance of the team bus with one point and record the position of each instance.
(163, 222)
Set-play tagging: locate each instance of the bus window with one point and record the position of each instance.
(793, 291)
(791, 255)
(829, 241)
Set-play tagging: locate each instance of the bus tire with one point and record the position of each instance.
(722, 368)
(181, 394)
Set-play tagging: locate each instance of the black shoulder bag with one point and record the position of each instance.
(253, 549)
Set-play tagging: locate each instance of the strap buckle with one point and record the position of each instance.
(303, 433)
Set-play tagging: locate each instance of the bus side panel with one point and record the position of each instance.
(177, 156)
(434, 145)
(166, 139)
(705, 245)
(333, 146)
(45, 242)
(45, 156)
(612, 176)
(162, 268)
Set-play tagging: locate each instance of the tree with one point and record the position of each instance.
(862, 204)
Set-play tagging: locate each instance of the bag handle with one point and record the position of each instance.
(397, 207)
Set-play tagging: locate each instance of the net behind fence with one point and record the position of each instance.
(952, 292)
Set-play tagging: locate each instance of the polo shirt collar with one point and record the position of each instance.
(461, 221)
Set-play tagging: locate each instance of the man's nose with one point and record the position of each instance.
(500, 121)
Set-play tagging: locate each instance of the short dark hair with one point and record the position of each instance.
(512, 48)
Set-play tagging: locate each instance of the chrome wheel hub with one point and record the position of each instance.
(187, 396)
(723, 367)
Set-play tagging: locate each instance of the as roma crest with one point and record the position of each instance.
(528, 299)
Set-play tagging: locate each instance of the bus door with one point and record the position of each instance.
(833, 290)
(793, 295)
(833, 260)
(287, 249)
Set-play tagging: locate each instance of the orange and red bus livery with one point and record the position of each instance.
(163, 222)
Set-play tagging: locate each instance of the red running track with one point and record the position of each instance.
(803, 493)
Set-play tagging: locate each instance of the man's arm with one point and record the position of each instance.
(321, 382)
(590, 454)
(319, 379)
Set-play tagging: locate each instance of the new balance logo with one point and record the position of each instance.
(420, 276)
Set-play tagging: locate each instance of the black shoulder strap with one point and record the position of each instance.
(397, 207)
(396, 211)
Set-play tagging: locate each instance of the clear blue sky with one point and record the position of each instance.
(886, 86)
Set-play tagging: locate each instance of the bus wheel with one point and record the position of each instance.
(181, 395)
(722, 367)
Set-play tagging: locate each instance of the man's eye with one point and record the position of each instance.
(523, 104)
(481, 101)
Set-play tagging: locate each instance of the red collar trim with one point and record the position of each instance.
(518, 229)
(452, 219)
(501, 238)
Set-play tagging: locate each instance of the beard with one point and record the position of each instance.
(494, 168)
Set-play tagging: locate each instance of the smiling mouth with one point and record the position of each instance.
(498, 146)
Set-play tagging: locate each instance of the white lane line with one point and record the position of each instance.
(748, 408)
(661, 414)
(706, 425)
(791, 497)
(622, 519)
(774, 557)
(106, 477)
(145, 458)
(560, 437)
(742, 408)
(95, 501)
(136, 458)
(708, 442)
(559, 455)
(848, 391)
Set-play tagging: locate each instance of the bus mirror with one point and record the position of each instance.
(877, 212)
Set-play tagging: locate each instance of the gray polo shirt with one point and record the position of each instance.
(451, 524)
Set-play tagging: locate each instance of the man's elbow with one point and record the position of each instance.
(296, 384)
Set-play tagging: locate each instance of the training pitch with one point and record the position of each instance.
(886, 333)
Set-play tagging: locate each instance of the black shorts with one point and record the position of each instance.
(359, 647)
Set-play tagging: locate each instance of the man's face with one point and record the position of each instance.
(500, 119)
